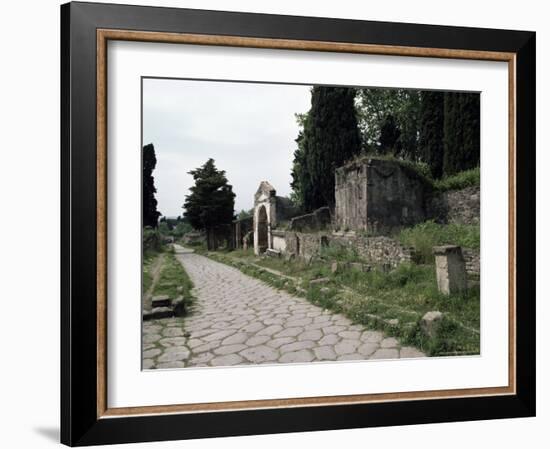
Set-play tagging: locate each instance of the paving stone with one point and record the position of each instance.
(333, 329)
(278, 342)
(174, 354)
(372, 336)
(253, 327)
(206, 347)
(194, 342)
(330, 339)
(218, 335)
(346, 347)
(151, 353)
(325, 353)
(351, 335)
(171, 365)
(389, 342)
(148, 364)
(200, 359)
(172, 332)
(259, 354)
(290, 332)
(408, 352)
(353, 356)
(367, 349)
(299, 322)
(151, 328)
(385, 354)
(258, 340)
(296, 346)
(229, 349)
(313, 335)
(151, 338)
(302, 356)
(173, 341)
(271, 330)
(240, 337)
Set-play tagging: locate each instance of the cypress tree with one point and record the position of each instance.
(461, 132)
(212, 200)
(330, 137)
(431, 131)
(149, 202)
(389, 136)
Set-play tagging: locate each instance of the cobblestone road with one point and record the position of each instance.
(240, 320)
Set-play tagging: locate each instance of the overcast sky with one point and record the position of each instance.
(247, 128)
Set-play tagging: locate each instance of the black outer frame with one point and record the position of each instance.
(79, 422)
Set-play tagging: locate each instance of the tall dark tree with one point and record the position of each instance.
(431, 131)
(461, 132)
(389, 136)
(330, 137)
(149, 205)
(212, 200)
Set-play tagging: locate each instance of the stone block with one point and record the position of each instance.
(161, 301)
(159, 312)
(430, 322)
(450, 269)
(319, 281)
(179, 306)
(272, 253)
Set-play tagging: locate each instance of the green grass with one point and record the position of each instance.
(172, 275)
(147, 278)
(424, 236)
(467, 178)
(376, 299)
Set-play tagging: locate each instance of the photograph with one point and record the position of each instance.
(289, 223)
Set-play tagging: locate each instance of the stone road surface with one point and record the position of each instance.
(240, 320)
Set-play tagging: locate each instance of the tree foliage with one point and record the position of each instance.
(461, 132)
(212, 200)
(375, 106)
(389, 136)
(431, 131)
(149, 202)
(329, 137)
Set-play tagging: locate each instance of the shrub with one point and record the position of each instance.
(467, 178)
(151, 240)
(424, 236)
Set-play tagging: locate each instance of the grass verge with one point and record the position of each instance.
(393, 302)
(172, 276)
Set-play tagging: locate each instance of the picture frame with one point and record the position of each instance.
(86, 28)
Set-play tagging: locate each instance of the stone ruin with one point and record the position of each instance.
(379, 196)
(269, 211)
(373, 199)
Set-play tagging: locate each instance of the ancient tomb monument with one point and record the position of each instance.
(269, 211)
(379, 196)
(373, 195)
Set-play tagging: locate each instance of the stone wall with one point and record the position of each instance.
(471, 259)
(455, 206)
(379, 196)
(378, 250)
(318, 220)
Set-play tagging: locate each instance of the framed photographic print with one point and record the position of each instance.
(276, 224)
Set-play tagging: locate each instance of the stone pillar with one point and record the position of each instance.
(450, 269)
